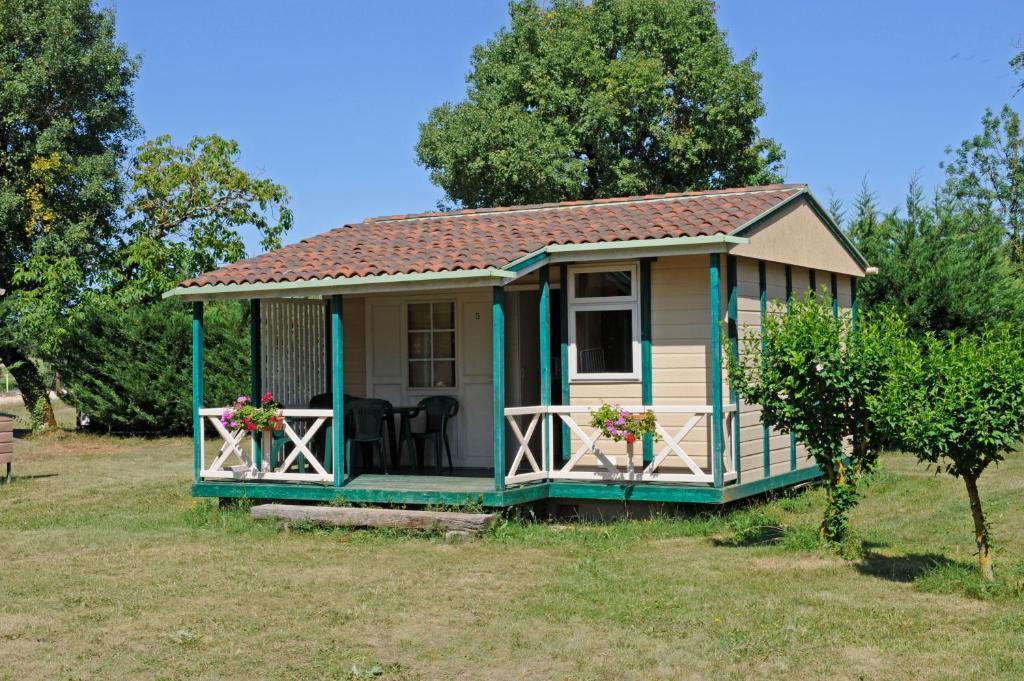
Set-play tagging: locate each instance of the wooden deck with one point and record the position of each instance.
(429, 490)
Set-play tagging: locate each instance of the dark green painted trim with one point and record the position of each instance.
(523, 264)
(835, 295)
(337, 391)
(812, 276)
(853, 303)
(747, 489)
(198, 387)
(789, 306)
(256, 369)
(734, 351)
(717, 425)
(635, 492)
(563, 294)
(498, 381)
(762, 288)
(544, 325)
(646, 356)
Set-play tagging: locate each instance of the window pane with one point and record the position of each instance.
(419, 374)
(444, 315)
(444, 345)
(604, 341)
(444, 374)
(419, 345)
(603, 284)
(419, 316)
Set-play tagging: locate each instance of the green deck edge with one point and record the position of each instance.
(512, 496)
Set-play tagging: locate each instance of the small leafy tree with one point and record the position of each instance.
(815, 376)
(958, 403)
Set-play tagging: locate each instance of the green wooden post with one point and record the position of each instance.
(812, 277)
(734, 352)
(646, 358)
(544, 310)
(835, 296)
(766, 440)
(498, 382)
(337, 392)
(563, 294)
(198, 388)
(256, 370)
(717, 425)
(853, 303)
(789, 306)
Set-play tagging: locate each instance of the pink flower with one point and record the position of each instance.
(267, 397)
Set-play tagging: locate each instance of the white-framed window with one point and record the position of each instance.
(604, 322)
(430, 327)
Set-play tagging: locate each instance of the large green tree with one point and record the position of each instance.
(65, 119)
(942, 265)
(581, 100)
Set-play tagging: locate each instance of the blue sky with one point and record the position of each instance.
(325, 97)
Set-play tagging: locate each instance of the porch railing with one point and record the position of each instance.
(288, 457)
(529, 465)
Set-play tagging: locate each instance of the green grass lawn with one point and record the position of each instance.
(109, 570)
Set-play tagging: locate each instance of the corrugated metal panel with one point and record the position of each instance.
(294, 357)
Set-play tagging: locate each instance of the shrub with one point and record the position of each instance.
(958, 403)
(814, 376)
(129, 368)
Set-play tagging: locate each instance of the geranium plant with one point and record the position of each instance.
(622, 425)
(245, 414)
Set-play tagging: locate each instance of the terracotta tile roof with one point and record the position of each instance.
(495, 237)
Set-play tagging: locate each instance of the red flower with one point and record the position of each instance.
(630, 438)
(267, 397)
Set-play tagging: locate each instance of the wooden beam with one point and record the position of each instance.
(544, 312)
(198, 388)
(498, 382)
(563, 332)
(256, 369)
(717, 425)
(646, 357)
(337, 392)
(762, 287)
(789, 307)
(835, 295)
(734, 353)
(348, 516)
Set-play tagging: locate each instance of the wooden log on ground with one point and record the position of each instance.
(350, 516)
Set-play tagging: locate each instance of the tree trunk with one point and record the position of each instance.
(32, 387)
(980, 528)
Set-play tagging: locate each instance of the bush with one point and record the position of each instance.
(130, 368)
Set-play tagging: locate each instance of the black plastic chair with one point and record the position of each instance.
(438, 409)
(368, 417)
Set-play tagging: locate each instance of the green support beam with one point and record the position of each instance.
(762, 288)
(646, 359)
(337, 392)
(563, 295)
(255, 369)
(544, 312)
(789, 306)
(835, 295)
(853, 303)
(812, 277)
(734, 353)
(498, 381)
(198, 388)
(717, 425)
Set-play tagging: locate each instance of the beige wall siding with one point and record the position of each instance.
(748, 310)
(797, 236)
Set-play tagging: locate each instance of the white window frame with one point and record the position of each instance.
(405, 347)
(630, 303)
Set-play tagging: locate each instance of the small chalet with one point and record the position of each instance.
(453, 356)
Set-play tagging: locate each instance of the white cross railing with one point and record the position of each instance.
(602, 466)
(234, 461)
